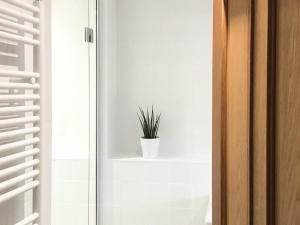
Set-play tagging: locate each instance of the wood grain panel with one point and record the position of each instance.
(219, 113)
(238, 103)
(262, 120)
(259, 112)
(257, 122)
(288, 113)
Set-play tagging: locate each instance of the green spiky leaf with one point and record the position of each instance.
(149, 123)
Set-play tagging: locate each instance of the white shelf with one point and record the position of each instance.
(196, 159)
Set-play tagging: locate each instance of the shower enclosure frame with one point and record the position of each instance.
(98, 66)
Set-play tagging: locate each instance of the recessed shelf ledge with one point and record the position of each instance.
(167, 159)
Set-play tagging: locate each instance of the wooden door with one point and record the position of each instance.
(287, 113)
(256, 112)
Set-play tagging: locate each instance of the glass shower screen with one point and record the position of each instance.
(73, 110)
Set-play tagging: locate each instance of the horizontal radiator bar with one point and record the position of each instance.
(14, 37)
(16, 73)
(13, 169)
(21, 120)
(9, 85)
(20, 155)
(18, 97)
(20, 27)
(13, 181)
(23, 5)
(19, 132)
(18, 109)
(19, 14)
(29, 219)
(19, 190)
(17, 144)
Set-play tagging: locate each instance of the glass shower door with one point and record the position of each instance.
(73, 110)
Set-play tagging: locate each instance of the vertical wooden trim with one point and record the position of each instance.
(287, 113)
(219, 112)
(259, 113)
(271, 109)
(263, 109)
(251, 112)
(238, 130)
(247, 29)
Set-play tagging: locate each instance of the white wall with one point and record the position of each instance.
(154, 192)
(70, 79)
(73, 192)
(158, 53)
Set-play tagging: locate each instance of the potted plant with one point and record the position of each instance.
(150, 141)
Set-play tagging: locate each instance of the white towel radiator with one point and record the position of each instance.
(25, 107)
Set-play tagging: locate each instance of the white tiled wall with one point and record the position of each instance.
(71, 201)
(155, 193)
(132, 192)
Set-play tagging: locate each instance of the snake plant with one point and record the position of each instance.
(149, 122)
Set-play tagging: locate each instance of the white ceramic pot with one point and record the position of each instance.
(150, 147)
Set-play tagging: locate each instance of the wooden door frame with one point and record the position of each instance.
(259, 17)
(218, 115)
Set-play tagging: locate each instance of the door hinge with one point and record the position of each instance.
(89, 35)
